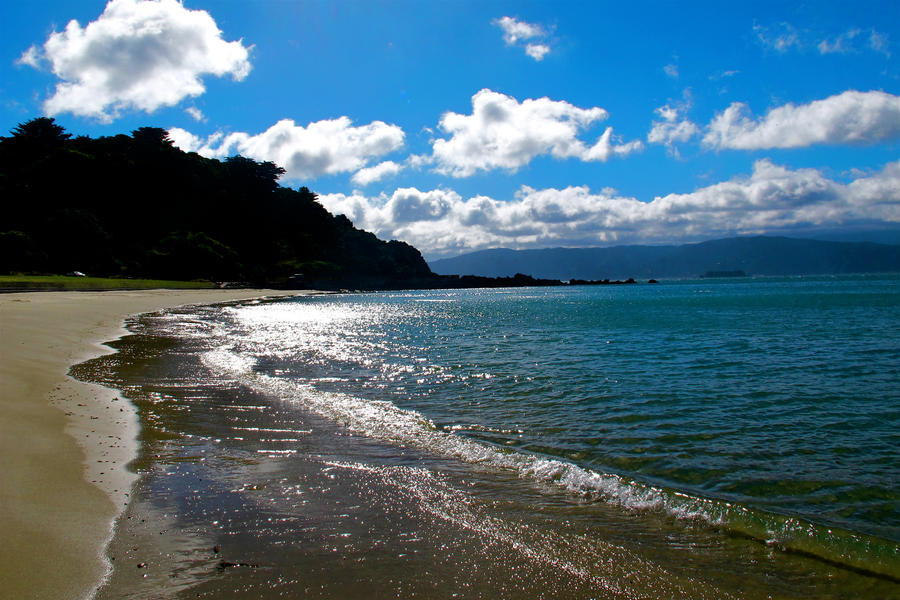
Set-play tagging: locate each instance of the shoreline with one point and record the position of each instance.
(66, 444)
(240, 472)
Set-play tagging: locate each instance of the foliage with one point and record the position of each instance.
(135, 205)
(62, 282)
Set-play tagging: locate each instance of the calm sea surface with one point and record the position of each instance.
(749, 428)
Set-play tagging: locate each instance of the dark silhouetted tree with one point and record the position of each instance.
(137, 205)
(152, 136)
(40, 133)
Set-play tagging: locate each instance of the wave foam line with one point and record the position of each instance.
(605, 566)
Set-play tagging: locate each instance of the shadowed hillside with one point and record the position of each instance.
(136, 206)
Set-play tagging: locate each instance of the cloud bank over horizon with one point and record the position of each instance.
(503, 133)
(773, 198)
(500, 128)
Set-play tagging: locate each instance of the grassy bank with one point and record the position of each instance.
(20, 283)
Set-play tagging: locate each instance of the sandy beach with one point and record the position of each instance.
(254, 484)
(65, 444)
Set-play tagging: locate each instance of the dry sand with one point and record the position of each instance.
(65, 444)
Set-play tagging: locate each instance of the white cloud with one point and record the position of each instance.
(502, 133)
(673, 127)
(537, 51)
(321, 148)
(879, 43)
(773, 198)
(378, 172)
(417, 161)
(784, 37)
(723, 75)
(514, 30)
(878, 194)
(780, 38)
(31, 57)
(671, 71)
(839, 45)
(849, 118)
(846, 43)
(520, 33)
(195, 113)
(139, 55)
(365, 212)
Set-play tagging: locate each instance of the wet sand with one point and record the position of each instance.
(64, 443)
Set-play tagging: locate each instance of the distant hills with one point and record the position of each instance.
(761, 255)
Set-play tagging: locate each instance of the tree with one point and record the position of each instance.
(250, 176)
(152, 136)
(195, 255)
(42, 132)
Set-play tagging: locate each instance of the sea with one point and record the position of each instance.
(711, 438)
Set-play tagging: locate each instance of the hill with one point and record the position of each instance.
(136, 206)
(759, 255)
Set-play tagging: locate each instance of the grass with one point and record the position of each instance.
(61, 282)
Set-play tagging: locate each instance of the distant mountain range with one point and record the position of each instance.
(761, 255)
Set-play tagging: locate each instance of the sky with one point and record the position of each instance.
(461, 125)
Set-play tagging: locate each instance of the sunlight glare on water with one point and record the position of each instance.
(684, 397)
(618, 441)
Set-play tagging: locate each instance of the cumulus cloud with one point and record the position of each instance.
(378, 172)
(530, 36)
(137, 55)
(515, 30)
(537, 51)
(321, 148)
(773, 198)
(673, 127)
(849, 118)
(502, 133)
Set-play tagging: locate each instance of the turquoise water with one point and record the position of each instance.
(767, 408)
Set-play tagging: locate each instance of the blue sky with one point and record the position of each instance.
(459, 125)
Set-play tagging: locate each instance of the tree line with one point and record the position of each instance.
(137, 206)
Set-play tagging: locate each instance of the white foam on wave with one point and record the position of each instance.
(385, 421)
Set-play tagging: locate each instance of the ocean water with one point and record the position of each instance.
(714, 438)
